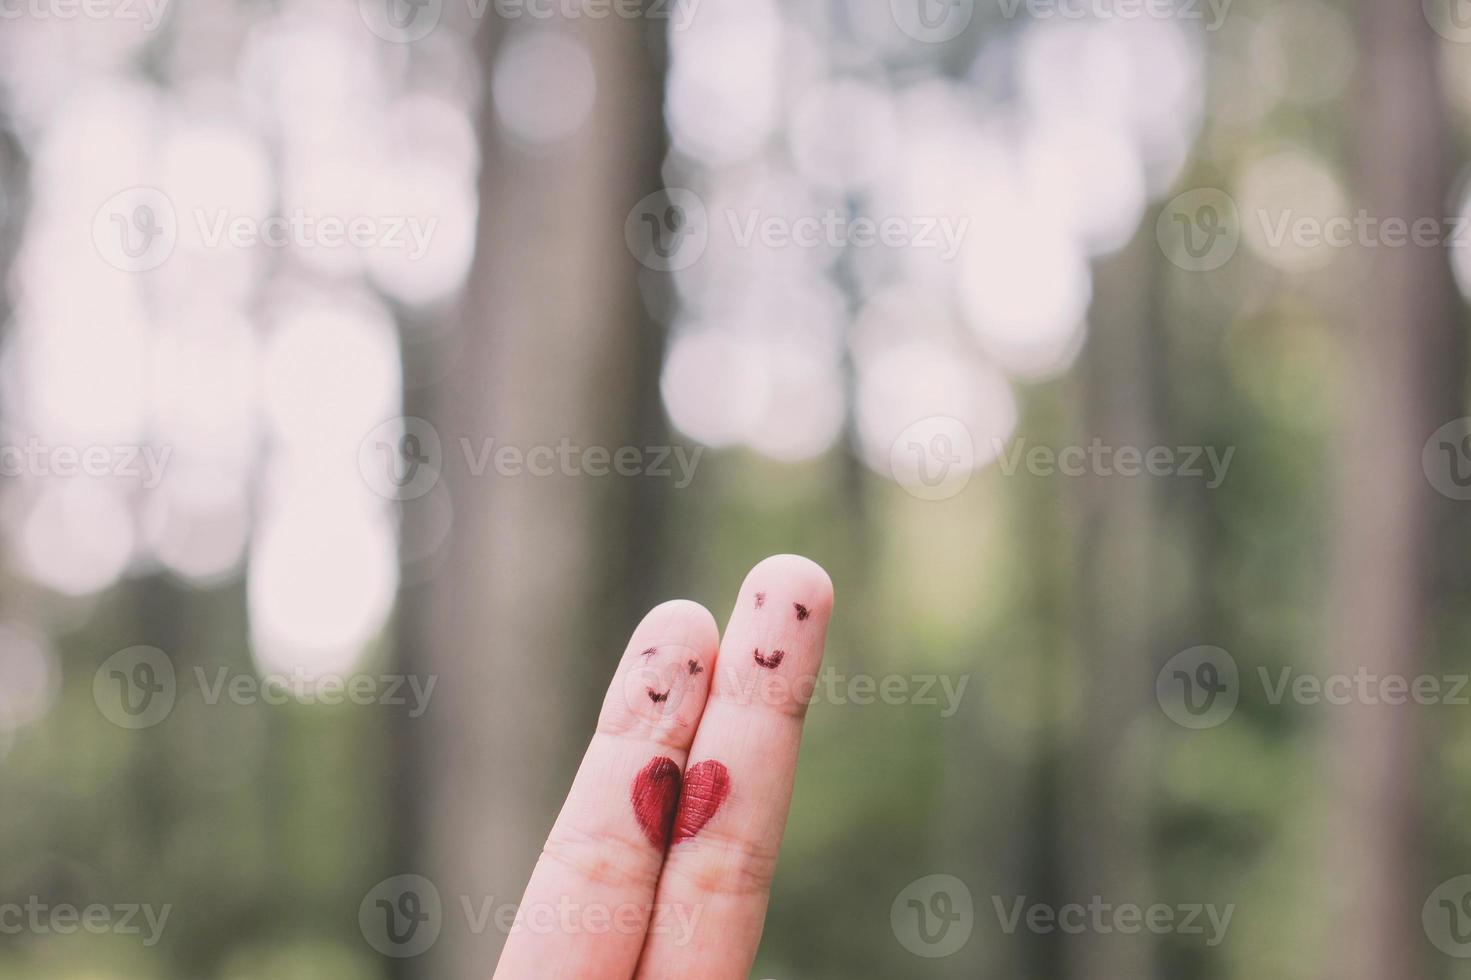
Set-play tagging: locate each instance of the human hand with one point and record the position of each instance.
(660, 864)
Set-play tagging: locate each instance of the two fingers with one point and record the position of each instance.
(661, 860)
(738, 786)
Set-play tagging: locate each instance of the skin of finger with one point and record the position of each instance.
(587, 907)
(752, 725)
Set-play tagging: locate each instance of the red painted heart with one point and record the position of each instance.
(706, 786)
(655, 796)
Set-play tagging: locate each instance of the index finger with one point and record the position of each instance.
(589, 905)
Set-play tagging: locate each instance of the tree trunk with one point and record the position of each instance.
(1106, 806)
(524, 615)
(1400, 322)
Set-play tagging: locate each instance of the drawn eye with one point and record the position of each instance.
(656, 697)
(695, 668)
(802, 612)
(770, 662)
(649, 652)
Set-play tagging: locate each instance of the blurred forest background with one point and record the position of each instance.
(323, 508)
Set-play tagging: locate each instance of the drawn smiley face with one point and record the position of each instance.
(655, 686)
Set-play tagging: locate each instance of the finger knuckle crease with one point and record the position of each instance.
(727, 865)
(602, 859)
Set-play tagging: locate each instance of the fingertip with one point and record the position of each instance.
(662, 681)
(682, 621)
(793, 575)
